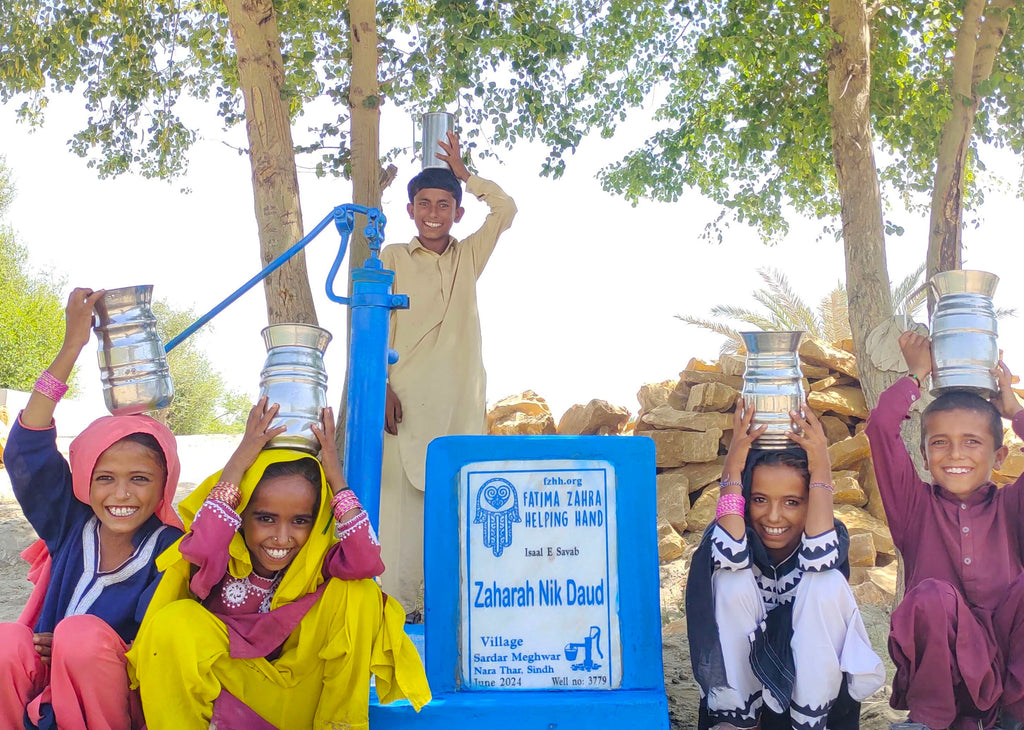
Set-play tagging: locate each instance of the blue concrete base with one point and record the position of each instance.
(531, 710)
(527, 710)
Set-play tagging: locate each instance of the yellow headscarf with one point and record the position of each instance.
(303, 576)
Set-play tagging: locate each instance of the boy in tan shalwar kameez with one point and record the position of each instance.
(437, 387)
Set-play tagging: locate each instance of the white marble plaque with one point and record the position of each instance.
(539, 575)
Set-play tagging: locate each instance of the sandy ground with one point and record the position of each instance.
(205, 456)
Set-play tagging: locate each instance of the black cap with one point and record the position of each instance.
(439, 178)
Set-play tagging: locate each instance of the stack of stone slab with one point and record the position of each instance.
(690, 421)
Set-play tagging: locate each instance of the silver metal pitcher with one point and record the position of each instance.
(133, 365)
(294, 377)
(964, 332)
(773, 384)
(436, 125)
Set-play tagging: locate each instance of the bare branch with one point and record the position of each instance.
(388, 176)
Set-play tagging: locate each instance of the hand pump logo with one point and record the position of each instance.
(497, 507)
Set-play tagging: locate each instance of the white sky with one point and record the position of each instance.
(577, 302)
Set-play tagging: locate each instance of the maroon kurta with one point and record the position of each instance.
(956, 638)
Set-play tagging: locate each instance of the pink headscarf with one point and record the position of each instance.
(85, 451)
(103, 433)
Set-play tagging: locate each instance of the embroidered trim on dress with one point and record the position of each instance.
(92, 582)
(235, 591)
(221, 510)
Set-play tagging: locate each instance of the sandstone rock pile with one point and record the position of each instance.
(691, 424)
(690, 421)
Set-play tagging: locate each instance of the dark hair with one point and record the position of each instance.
(439, 178)
(306, 468)
(149, 441)
(964, 400)
(795, 458)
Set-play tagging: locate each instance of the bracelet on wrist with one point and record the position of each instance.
(824, 485)
(725, 482)
(730, 504)
(50, 386)
(227, 493)
(915, 378)
(344, 502)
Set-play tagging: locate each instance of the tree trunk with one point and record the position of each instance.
(275, 184)
(364, 113)
(849, 92)
(981, 33)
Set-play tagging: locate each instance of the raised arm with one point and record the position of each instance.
(40, 477)
(217, 519)
(810, 436)
(52, 383)
(502, 207)
(356, 555)
(729, 549)
(1006, 400)
(898, 482)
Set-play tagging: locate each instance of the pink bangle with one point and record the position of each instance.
(50, 386)
(227, 493)
(730, 504)
(343, 502)
(824, 485)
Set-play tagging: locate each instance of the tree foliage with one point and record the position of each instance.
(134, 61)
(738, 91)
(202, 402)
(31, 307)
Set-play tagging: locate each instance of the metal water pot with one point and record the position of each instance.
(773, 384)
(294, 377)
(436, 125)
(964, 348)
(133, 365)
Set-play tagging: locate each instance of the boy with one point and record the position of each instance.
(957, 639)
(437, 386)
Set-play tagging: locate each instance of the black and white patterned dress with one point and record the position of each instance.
(781, 643)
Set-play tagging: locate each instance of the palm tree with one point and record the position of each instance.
(784, 310)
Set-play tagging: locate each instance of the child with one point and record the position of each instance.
(957, 639)
(437, 387)
(102, 522)
(776, 638)
(274, 638)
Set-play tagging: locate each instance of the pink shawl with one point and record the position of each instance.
(85, 452)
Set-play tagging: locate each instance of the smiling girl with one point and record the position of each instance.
(101, 521)
(776, 638)
(265, 617)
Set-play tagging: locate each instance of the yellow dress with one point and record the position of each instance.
(321, 679)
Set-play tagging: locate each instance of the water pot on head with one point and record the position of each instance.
(133, 365)
(294, 377)
(773, 384)
(436, 125)
(964, 347)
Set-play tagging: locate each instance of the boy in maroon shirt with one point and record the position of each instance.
(957, 639)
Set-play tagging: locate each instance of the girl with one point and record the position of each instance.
(102, 522)
(776, 638)
(247, 628)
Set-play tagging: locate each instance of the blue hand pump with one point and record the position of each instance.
(368, 354)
